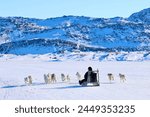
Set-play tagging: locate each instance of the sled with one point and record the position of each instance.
(94, 80)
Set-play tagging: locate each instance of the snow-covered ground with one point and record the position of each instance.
(13, 69)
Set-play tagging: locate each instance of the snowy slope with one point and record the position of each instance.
(113, 34)
(141, 16)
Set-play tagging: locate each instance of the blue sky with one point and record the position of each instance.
(57, 8)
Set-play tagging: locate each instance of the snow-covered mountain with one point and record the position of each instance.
(20, 35)
(142, 16)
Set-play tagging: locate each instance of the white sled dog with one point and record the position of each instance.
(28, 80)
(65, 78)
(78, 76)
(110, 76)
(47, 78)
(122, 77)
(68, 78)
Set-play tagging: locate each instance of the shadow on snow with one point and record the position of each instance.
(15, 86)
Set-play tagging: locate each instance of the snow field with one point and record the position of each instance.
(13, 71)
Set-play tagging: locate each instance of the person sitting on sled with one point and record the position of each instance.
(87, 77)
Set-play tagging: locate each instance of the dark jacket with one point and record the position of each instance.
(86, 77)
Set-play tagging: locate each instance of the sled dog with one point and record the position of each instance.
(47, 78)
(110, 77)
(78, 76)
(28, 80)
(63, 77)
(68, 78)
(53, 78)
(122, 77)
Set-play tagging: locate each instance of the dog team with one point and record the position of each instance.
(51, 78)
(48, 78)
(111, 77)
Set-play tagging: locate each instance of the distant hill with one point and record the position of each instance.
(20, 35)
